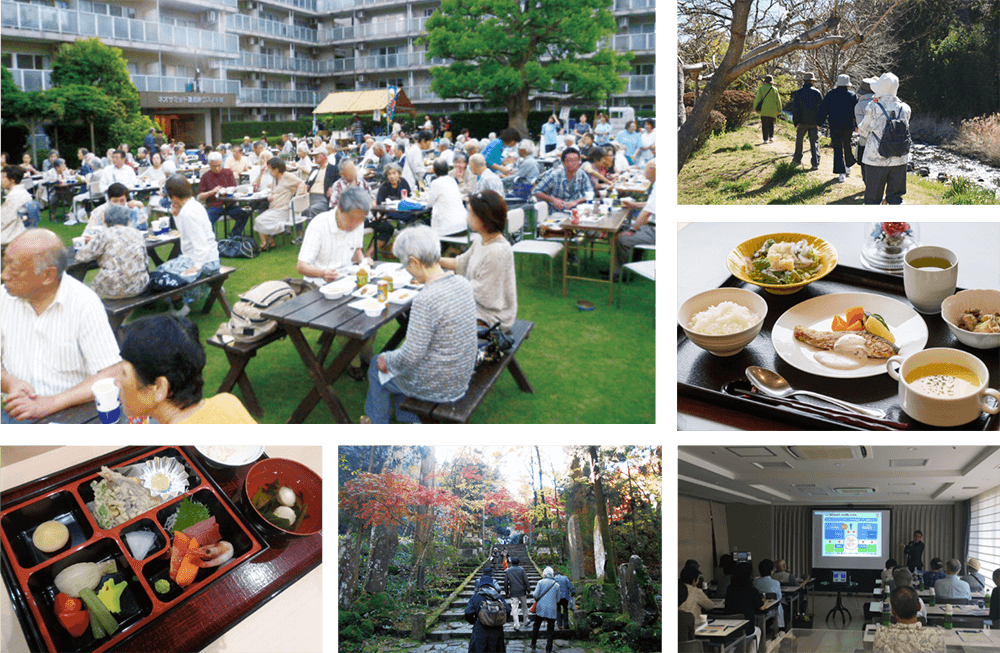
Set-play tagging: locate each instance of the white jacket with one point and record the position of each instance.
(873, 125)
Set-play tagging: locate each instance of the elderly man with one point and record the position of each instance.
(566, 187)
(118, 172)
(238, 163)
(445, 153)
(149, 142)
(951, 586)
(527, 167)
(247, 146)
(486, 179)
(975, 579)
(287, 147)
(55, 339)
(259, 157)
(334, 240)
(643, 229)
(212, 184)
(348, 177)
(906, 635)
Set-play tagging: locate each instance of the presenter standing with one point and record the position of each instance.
(914, 552)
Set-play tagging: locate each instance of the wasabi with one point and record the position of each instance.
(162, 586)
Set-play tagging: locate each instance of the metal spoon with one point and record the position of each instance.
(775, 385)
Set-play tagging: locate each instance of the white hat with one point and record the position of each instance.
(843, 80)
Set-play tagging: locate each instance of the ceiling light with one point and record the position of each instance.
(908, 462)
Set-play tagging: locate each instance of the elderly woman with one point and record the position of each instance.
(466, 178)
(438, 356)
(547, 599)
(445, 199)
(527, 167)
(391, 189)
(599, 165)
(489, 263)
(120, 251)
(305, 164)
(273, 220)
(161, 376)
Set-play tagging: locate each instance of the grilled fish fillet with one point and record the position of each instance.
(875, 347)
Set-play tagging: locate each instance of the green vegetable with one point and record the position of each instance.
(95, 626)
(97, 608)
(162, 586)
(111, 594)
(278, 521)
(189, 513)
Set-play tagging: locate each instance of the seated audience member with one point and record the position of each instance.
(486, 179)
(685, 619)
(696, 600)
(890, 566)
(117, 196)
(527, 167)
(348, 177)
(436, 361)
(238, 163)
(463, 174)
(488, 264)
(782, 575)
(445, 199)
(15, 197)
(258, 156)
(197, 236)
(567, 186)
(273, 220)
(643, 229)
(906, 635)
(903, 577)
(57, 173)
(975, 580)
(304, 164)
(154, 172)
(120, 251)
(995, 603)
(567, 141)
(768, 585)
(382, 157)
(724, 574)
(247, 145)
(445, 153)
(215, 182)
(320, 183)
(390, 190)
(936, 573)
(743, 598)
(333, 240)
(951, 586)
(27, 166)
(117, 172)
(598, 166)
(162, 375)
(55, 339)
(586, 145)
(50, 160)
(493, 152)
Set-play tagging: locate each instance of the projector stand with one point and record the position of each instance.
(839, 608)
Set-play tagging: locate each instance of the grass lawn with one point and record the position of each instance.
(578, 361)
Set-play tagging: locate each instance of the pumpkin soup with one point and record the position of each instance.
(943, 380)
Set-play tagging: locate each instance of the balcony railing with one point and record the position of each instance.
(263, 26)
(374, 30)
(634, 5)
(159, 84)
(307, 5)
(32, 80)
(277, 96)
(330, 6)
(641, 84)
(276, 62)
(379, 62)
(635, 42)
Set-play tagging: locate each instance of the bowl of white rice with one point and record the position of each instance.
(723, 321)
(223, 456)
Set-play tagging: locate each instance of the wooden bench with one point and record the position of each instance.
(460, 412)
(239, 355)
(119, 310)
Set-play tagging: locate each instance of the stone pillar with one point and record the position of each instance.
(417, 624)
(383, 543)
(575, 549)
(628, 587)
(600, 555)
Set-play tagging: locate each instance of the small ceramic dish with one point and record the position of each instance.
(728, 344)
(986, 301)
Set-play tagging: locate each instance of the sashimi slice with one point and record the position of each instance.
(205, 531)
(177, 553)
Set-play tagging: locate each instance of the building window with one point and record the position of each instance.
(31, 62)
(643, 69)
(7, 59)
(428, 12)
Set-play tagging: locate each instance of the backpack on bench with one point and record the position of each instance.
(246, 324)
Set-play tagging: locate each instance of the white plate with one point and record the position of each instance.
(383, 269)
(369, 290)
(402, 296)
(817, 313)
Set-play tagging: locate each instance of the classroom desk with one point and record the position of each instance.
(721, 632)
(848, 641)
(956, 639)
(767, 612)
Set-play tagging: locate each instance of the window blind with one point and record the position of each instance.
(984, 533)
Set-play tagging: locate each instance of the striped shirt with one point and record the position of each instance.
(70, 341)
(438, 356)
(557, 185)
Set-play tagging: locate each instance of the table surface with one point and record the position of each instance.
(312, 310)
(731, 625)
(951, 637)
(937, 610)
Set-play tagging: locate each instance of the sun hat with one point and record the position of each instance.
(318, 150)
(808, 77)
(973, 563)
(844, 80)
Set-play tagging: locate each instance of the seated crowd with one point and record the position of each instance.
(461, 182)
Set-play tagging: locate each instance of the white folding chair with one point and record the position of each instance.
(646, 269)
(550, 248)
(296, 208)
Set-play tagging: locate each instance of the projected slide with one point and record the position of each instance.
(852, 534)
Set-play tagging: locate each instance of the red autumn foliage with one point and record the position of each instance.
(388, 498)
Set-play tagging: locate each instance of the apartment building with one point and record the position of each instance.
(199, 62)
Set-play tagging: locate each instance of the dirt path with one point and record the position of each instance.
(852, 191)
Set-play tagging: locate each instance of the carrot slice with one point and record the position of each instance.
(856, 314)
(855, 326)
(839, 324)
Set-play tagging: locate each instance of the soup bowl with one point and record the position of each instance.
(940, 410)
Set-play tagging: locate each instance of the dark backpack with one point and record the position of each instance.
(492, 611)
(895, 140)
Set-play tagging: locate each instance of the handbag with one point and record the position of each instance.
(535, 604)
(238, 247)
(494, 344)
(761, 103)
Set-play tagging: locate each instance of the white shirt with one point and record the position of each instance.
(448, 156)
(326, 246)
(651, 204)
(448, 215)
(70, 341)
(489, 181)
(169, 168)
(12, 225)
(111, 174)
(414, 169)
(156, 175)
(197, 236)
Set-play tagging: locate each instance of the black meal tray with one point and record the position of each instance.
(701, 375)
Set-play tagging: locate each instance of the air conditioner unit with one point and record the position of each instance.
(213, 16)
(830, 452)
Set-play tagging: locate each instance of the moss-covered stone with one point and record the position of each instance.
(601, 597)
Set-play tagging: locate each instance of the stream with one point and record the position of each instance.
(937, 160)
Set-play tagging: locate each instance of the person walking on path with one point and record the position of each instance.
(805, 111)
(885, 176)
(769, 103)
(486, 579)
(566, 590)
(546, 598)
(865, 95)
(517, 589)
(838, 107)
(485, 639)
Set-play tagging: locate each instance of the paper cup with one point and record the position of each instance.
(79, 242)
(108, 404)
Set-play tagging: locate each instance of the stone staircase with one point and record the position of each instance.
(452, 624)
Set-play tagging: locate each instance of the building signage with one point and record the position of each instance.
(153, 100)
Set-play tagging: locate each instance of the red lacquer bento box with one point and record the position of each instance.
(30, 573)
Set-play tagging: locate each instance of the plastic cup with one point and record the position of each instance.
(108, 405)
(79, 242)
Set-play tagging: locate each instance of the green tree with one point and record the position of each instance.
(33, 109)
(89, 105)
(504, 50)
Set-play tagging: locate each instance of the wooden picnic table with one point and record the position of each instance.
(79, 414)
(608, 226)
(332, 317)
(383, 212)
(80, 270)
(61, 193)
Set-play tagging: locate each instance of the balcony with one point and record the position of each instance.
(635, 42)
(380, 62)
(32, 80)
(255, 26)
(277, 96)
(275, 63)
(633, 6)
(304, 5)
(158, 84)
(336, 6)
(640, 84)
(374, 30)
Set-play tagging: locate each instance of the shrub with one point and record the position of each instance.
(980, 137)
(963, 191)
(734, 107)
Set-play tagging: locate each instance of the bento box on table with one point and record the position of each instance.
(122, 510)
